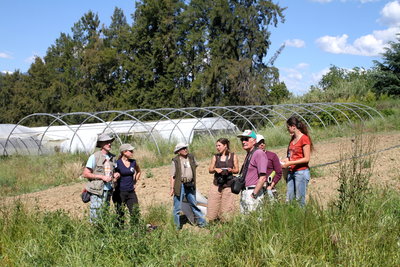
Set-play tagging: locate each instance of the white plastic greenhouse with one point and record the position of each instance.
(78, 131)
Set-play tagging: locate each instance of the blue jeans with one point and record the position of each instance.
(297, 186)
(190, 194)
(97, 203)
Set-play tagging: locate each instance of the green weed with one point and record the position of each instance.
(277, 234)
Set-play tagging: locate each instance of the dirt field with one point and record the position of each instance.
(155, 190)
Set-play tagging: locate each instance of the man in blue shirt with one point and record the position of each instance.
(99, 171)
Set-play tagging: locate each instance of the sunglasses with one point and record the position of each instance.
(129, 151)
(244, 139)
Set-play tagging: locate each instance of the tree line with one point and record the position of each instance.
(175, 53)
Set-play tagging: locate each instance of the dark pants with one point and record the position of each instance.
(130, 199)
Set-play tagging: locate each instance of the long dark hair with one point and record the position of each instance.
(294, 121)
(226, 142)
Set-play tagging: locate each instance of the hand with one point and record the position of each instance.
(269, 187)
(285, 165)
(106, 178)
(218, 170)
(284, 160)
(117, 175)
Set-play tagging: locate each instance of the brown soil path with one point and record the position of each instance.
(155, 190)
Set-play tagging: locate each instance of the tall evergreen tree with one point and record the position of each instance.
(388, 75)
(236, 45)
(157, 67)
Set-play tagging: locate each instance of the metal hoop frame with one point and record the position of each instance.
(249, 116)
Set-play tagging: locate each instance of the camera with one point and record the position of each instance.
(221, 180)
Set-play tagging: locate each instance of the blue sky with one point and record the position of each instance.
(317, 33)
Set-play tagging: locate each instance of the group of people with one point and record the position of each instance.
(261, 171)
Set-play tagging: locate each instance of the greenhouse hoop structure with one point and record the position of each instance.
(78, 131)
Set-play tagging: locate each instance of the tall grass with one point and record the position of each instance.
(276, 235)
(22, 174)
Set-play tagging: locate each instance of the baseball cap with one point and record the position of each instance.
(248, 133)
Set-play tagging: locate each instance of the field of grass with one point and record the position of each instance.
(276, 235)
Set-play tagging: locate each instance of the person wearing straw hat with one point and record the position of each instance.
(125, 186)
(254, 170)
(99, 171)
(183, 184)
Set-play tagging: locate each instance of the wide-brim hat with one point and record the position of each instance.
(248, 133)
(179, 146)
(126, 147)
(104, 137)
(259, 138)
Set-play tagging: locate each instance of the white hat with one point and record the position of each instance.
(259, 138)
(126, 147)
(179, 146)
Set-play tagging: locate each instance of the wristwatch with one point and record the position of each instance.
(253, 195)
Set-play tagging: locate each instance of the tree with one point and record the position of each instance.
(157, 66)
(237, 41)
(340, 84)
(388, 72)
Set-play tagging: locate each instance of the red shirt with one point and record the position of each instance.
(296, 152)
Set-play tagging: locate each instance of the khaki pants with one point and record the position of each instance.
(221, 203)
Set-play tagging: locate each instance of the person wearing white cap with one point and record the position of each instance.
(274, 163)
(254, 170)
(183, 184)
(99, 170)
(125, 187)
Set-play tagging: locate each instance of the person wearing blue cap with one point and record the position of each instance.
(254, 170)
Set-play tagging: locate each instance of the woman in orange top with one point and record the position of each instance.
(298, 156)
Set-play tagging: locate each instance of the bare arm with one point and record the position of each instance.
(235, 165)
(88, 174)
(278, 171)
(211, 168)
(260, 183)
(171, 185)
(138, 172)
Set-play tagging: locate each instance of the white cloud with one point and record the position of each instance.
(4, 55)
(30, 59)
(294, 79)
(317, 76)
(372, 44)
(390, 14)
(368, 45)
(302, 65)
(295, 43)
(387, 35)
(7, 72)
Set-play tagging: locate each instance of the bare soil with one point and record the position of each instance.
(155, 190)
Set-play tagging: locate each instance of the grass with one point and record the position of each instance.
(23, 174)
(277, 235)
